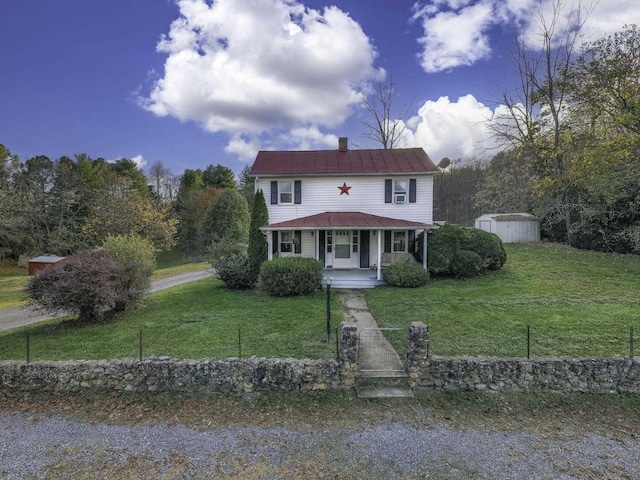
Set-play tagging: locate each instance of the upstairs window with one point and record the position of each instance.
(400, 191)
(286, 191)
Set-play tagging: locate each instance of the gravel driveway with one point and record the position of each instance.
(21, 316)
(58, 446)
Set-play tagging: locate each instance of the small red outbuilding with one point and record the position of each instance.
(38, 263)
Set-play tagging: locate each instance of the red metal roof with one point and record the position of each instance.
(350, 220)
(328, 162)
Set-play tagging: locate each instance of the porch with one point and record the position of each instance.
(351, 278)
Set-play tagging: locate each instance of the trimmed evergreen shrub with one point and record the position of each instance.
(445, 244)
(466, 264)
(406, 275)
(487, 245)
(232, 265)
(442, 245)
(290, 276)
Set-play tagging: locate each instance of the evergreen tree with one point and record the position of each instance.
(257, 251)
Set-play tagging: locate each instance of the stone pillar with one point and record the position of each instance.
(417, 352)
(348, 354)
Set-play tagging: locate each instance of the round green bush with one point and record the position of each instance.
(290, 276)
(232, 265)
(487, 245)
(442, 245)
(237, 273)
(466, 264)
(405, 275)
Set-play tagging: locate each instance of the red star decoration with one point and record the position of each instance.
(344, 188)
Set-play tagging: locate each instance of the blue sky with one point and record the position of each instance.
(192, 83)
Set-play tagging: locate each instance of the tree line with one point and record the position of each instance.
(571, 155)
(69, 205)
(572, 133)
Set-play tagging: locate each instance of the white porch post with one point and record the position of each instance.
(379, 268)
(424, 249)
(270, 245)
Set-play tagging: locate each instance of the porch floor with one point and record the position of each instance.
(351, 278)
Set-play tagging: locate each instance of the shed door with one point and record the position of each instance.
(486, 225)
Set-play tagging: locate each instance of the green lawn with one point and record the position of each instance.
(577, 303)
(14, 278)
(195, 320)
(12, 281)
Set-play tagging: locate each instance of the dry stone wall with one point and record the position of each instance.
(166, 374)
(161, 374)
(426, 372)
(583, 375)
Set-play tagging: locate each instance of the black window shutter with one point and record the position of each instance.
(297, 241)
(387, 241)
(412, 190)
(388, 190)
(412, 241)
(297, 192)
(274, 239)
(321, 245)
(274, 193)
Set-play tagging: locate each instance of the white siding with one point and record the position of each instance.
(308, 244)
(321, 194)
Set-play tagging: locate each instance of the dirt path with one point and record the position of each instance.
(21, 316)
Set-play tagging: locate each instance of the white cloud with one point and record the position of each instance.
(252, 66)
(457, 129)
(457, 32)
(245, 149)
(139, 161)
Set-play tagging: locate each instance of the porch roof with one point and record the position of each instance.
(346, 220)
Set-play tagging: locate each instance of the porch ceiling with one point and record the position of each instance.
(346, 220)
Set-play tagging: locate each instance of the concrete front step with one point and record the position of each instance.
(355, 284)
(384, 392)
(387, 384)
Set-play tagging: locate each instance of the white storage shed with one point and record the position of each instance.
(511, 227)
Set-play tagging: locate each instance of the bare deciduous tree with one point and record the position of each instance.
(383, 127)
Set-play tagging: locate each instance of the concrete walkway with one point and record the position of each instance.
(21, 316)
(375, 352)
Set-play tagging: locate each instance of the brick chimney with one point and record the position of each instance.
(343, 144)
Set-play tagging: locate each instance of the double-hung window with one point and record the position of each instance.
(399, 241)
(400, 191)
(286, 192)
(290, 241)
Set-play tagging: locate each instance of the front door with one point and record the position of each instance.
(342, 249)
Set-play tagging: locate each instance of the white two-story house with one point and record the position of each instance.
(352, 209)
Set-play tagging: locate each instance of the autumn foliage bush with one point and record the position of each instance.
(95, 283)
(85, 285)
